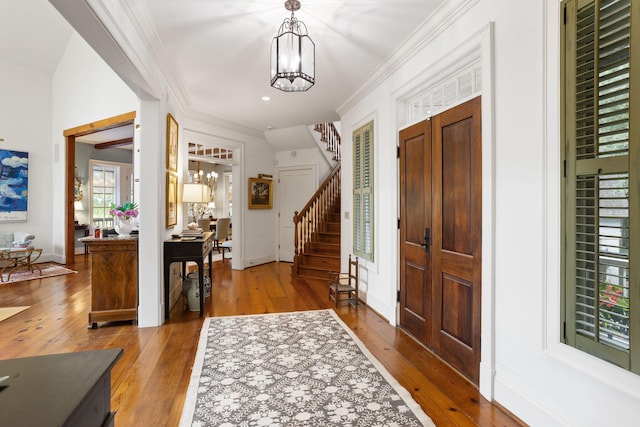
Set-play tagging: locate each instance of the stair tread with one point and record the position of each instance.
(323, 255)
(310, 267)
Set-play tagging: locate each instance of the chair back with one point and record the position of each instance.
(354, 268)
(205, 224)
(222, 228)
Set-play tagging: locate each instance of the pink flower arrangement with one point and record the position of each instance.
(126, 211)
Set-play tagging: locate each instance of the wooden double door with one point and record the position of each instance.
(440, 234)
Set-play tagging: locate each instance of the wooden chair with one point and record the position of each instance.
(345, 283)
(222, 232)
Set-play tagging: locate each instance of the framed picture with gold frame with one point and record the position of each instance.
(172, 143)
(260, 193)
(172, 200)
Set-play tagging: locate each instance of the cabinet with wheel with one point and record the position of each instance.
(114, 279)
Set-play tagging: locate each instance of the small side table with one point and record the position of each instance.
(15, 258)
(84, 227)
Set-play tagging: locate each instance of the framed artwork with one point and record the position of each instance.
(172, 200)
(260, 193)
(14, 182)
(172, 143)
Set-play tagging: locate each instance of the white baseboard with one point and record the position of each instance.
(260, 260)
(60, 259)
(507, 392)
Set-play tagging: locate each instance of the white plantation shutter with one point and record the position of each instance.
(363, 192)
(601, 181)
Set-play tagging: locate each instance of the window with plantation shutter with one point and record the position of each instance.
(601, 215)
(363, 191)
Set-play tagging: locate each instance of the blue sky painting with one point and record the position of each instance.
(14, 185)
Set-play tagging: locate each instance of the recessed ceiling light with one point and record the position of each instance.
(266, 98)
(269, 127)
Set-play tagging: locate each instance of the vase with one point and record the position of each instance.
(192, 285)
(124, 226)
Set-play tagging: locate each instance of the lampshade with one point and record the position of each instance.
(77, 206)
(293, 64)
(194, 193)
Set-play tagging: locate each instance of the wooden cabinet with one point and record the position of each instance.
(114, 279)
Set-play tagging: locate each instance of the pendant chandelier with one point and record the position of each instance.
(293, 64)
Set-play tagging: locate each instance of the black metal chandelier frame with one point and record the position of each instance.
(292, 54)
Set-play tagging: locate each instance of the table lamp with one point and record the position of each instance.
(77, 206)
(195, 194)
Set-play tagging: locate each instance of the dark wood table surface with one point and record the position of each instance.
(69, 389)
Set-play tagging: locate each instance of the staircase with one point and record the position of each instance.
(331, 137)
(317, 225)
(321, 252)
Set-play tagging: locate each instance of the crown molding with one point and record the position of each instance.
(436, 24)
(138, 13)
(121, 30)
(129, 24)
(227, 125)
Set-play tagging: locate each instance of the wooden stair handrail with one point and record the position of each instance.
(320, 190)
(314, 212)
(330, 135)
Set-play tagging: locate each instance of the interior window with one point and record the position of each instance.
(363, 192)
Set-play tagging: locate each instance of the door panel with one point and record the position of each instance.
(456, 188)
(457, 296)
(440, 190)
(415, 214)
(457, 218)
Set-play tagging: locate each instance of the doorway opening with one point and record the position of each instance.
(109, 184)
(111, 130)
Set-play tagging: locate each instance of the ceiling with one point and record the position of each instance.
(114, 134)
(221, 51)
(217, 51)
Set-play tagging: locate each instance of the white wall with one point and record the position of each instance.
(25, 125)
(537, 378)
(84, 90)
(253, 230)
(308, 156)
(259, 230)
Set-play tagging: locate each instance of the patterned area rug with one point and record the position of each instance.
(292, 369)
(49, 269)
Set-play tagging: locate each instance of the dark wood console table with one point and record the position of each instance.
(70, 389)
(183, 250)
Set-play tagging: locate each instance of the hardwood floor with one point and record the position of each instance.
(150, 381)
